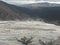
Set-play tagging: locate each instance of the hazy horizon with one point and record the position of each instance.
(29, 1)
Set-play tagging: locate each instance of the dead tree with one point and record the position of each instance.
(25, 40)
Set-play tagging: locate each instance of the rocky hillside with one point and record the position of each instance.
(7, 12)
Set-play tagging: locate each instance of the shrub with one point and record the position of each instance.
(46, 43)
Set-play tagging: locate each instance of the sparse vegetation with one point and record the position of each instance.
(27, 41)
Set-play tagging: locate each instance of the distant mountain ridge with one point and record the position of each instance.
(49, 12)
(41, 4)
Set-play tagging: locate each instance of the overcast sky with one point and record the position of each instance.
(27, 1)
(31, 0)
